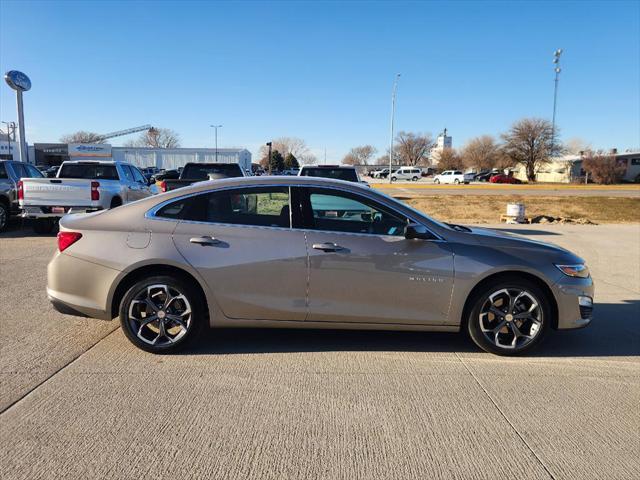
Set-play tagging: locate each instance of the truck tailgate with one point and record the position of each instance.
(58, 192)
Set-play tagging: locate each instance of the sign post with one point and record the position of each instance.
(20, 83)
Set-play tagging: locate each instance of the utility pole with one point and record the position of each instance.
(557, 70)
(216, 137)
(393, 112)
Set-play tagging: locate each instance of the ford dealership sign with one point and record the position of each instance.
(17, 80)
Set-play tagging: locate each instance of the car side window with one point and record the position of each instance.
(264, 206)
(337, 211)
(137, 176)
(34, 172)
(3, 171)
(127, 173)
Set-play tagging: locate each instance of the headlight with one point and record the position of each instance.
(580, 270)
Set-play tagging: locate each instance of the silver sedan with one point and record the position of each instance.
(307, 252)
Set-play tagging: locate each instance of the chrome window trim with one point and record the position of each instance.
(151, 213)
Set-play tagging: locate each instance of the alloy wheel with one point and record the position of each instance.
(160, 315)
(3, 217)
(511, 318)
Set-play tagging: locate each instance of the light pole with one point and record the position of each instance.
(557, 70)
(393, 112)
(20, 83)
(269, 145)
(216, 127)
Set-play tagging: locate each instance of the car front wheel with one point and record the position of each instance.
(436, 181)
(162, 314)
(4, 216)
(509, 317)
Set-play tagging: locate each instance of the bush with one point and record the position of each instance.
(603, 169)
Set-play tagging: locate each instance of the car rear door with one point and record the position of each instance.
(241, 242)
(363, 270)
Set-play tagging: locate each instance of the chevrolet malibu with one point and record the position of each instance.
(305, 252)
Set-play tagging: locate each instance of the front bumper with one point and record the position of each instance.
(78, 287)
(575, 302)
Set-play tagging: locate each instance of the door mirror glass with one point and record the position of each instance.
(417, 231)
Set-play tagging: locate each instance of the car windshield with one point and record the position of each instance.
(201, 172)
(88, 171)
(348, 174)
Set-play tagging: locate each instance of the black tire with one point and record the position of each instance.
(456, 181)
(393, 179)
(414, 179)
(506, 332)
(4, 215)
(193, 323)
(43, 226)
(437, 181)
(115, 202)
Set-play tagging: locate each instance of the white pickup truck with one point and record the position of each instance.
(453, 176)
(79, 187)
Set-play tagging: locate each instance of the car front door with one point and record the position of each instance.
(363, 270)
(241, 242)
(143, 186)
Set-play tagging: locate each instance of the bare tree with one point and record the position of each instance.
(577, 145)
(81, 137)
(413, 148)
(359, 155)
(531, 142)
(481, 152)
(450, 160)
(290, 145)
(156, 138)
(603, 168)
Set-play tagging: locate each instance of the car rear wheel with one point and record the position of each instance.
(509, 317)
(456, 181)
(162, 314)
(414, 179)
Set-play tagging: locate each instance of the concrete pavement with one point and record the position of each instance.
(79, 401)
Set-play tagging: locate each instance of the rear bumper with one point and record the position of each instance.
(45, 211)
(78, 287)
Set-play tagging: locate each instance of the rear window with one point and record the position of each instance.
(201, 172)
(88, 171)
(347, 174)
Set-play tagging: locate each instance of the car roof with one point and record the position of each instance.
(332, 167)
(94, 162)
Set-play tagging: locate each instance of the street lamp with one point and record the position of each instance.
(216, 127)
(557, 70)
(393, 112)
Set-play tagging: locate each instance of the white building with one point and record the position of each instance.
(169, 158)
(443, 141)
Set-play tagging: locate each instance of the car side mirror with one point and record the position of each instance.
(417, 231)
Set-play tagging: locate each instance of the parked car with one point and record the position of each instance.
(382, 173)
(208, 255)
(484, 175)
(502, 178)
(80, 187)
(407, 173)
(338, 172)
(10, 174)
(199, 172)
(453, 176)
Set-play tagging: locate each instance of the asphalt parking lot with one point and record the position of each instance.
(79, 401)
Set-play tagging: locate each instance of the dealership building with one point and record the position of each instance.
(51, 154)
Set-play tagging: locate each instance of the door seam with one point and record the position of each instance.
(307, 289)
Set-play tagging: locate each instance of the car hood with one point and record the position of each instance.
(506, 240)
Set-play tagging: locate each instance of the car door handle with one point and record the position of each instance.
(205, 241)
(327, 247)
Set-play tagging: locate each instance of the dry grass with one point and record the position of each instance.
(488, 208)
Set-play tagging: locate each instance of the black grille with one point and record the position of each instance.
(586, 312)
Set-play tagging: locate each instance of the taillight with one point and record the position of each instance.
(95, 194)
(20, 190)
(66, 239)
(163, 186)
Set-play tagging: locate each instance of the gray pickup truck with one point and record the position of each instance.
(199, 172)
(80, 186)
(10, 174)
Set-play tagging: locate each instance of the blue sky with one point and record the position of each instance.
(322, 71)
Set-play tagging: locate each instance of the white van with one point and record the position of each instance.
(407, 173)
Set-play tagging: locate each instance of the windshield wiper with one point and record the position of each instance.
(458, 228)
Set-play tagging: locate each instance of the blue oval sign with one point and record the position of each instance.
(17, 80)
